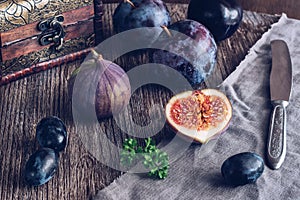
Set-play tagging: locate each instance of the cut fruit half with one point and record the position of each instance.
(200, 115)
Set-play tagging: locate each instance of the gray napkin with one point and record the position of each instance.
(196, 175)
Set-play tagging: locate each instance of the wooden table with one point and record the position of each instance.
(24, 102)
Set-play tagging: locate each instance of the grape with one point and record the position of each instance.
(242, 168)
(51, 132)
(41, 166)
(221, 17)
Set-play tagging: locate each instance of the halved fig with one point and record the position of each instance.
(200, 115)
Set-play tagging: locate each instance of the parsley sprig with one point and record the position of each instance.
(154, 159)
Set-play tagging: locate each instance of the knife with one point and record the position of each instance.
(280, 89)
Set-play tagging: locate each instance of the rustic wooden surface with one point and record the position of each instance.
(290, 7)
(23, 103)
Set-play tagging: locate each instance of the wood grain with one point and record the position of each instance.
(24, 102)
(43, 66)
(290, 7)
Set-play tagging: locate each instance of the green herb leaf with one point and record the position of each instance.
(155, 160)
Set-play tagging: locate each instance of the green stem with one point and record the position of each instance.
(96, 55)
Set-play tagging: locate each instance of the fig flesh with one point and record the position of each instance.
(199, 115)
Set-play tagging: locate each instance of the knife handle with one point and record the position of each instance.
(276, 146)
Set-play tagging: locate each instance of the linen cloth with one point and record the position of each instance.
(198, 176)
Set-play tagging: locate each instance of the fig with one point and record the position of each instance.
(111, 83)
(200, 115)
(41, 166)
(51, 132)
(221, 17)
(242, 168)
(197, 50)
(132, 14)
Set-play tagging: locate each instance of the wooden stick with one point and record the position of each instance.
(44, 66)
(98, 9)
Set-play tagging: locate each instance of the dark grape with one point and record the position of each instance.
(221, 17)
(242, 168)
(51, 132)
(41, 166)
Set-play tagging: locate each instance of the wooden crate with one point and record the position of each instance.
(32, 32)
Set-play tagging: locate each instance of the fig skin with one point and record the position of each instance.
(221, 17)
(202, 52)
(242, 168)
(113, 90)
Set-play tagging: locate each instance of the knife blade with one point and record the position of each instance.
(280, 90)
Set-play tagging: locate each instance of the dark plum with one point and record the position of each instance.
(221, 17)
(41, 166)
(195, 49)
(51, 132)
(140, 13)
(242, 168)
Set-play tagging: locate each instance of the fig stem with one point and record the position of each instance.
(130, 2)
(165, 28)
(96, 55)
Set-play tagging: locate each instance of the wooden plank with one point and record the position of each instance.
(43, 66)
(167, 1)
(30, 30)
(24, 102)
(290, 7)
(30, 45)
